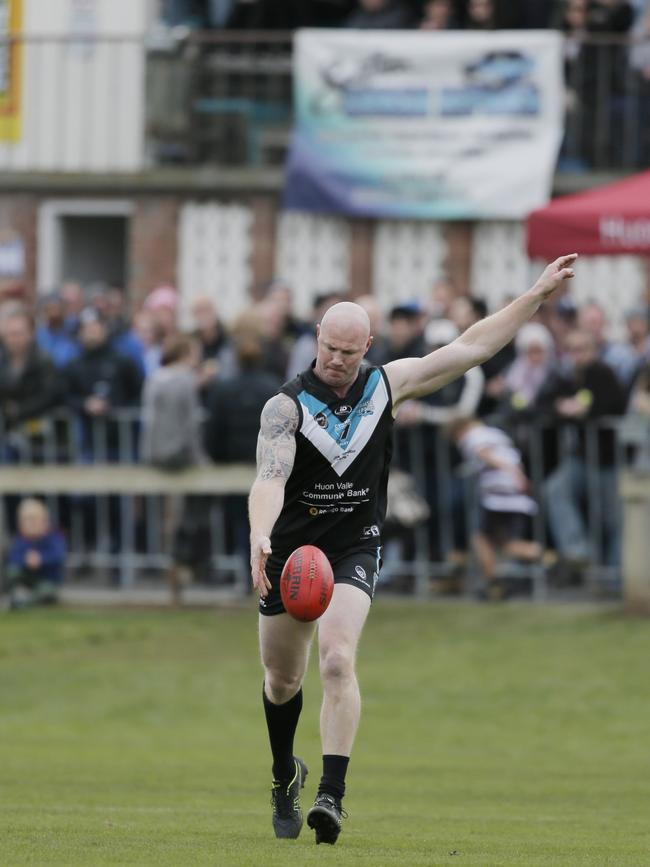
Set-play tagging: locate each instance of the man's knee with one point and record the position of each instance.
(281, 685)
(336, 664)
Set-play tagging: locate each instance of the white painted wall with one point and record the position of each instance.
(214, 257)
(82, 102)
(408, 259)
(312, 253)
(501, 269)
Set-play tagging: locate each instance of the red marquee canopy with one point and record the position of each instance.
(609, 220)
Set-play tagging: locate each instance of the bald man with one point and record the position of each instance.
(323, 454)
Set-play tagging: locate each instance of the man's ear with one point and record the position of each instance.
(317, 330)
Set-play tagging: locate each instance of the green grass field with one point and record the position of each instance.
(510, 735)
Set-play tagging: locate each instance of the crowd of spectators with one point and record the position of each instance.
(604, 16)
(198, 393)
(606, 52)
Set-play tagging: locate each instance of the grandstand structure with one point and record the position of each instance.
(170, 149)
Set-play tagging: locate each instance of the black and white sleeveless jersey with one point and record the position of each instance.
(335, 497)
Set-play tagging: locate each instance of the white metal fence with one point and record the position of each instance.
(113, 510)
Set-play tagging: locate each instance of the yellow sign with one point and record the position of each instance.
(11, 50)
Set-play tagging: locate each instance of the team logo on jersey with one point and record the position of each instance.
(313, 511)
(370, 531)
(366, 407)
(361, 572)
(341, 446)
(342, 430)
(342, 410)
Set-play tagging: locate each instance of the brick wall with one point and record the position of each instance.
(18, 213)
(153, 244)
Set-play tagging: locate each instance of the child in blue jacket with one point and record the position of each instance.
(36, 558)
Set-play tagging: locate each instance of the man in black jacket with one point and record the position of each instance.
(382, 15)
(98, 382)
(232, 426)
(29, 383)
(590, 394)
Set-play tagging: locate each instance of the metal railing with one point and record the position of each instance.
(127, 532)
(573, 472)
(221, 97)
(109, 104)
(118, 525)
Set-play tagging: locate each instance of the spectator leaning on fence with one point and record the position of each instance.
(619, 356)
(505, 507)
(526, 376)
(29, 383)
(234, 408)
(171, 441)
(36, 560)
(590, 392)
(97, 383)
(171, 414)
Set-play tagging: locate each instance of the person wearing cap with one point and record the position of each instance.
(405, 336)
(52, 336)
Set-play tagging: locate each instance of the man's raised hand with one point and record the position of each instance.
(555, 274)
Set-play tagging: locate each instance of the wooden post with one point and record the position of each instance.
(635, 493)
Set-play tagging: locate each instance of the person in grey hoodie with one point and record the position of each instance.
(172, 441)
(171, 412)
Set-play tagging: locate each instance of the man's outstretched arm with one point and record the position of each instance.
(415, 377)
(276, 451)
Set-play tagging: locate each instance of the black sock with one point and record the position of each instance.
(281, 721)
(333, 780)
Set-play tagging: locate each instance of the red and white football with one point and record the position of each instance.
(307, 583)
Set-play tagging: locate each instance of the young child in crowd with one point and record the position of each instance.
(505, 507)
(36, 559)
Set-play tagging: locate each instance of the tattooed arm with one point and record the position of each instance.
(276, 450)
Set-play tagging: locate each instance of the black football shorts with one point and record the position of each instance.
(358, 568)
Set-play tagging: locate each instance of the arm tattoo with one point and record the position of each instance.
(276, 444)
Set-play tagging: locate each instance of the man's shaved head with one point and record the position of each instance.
(346, 317)
(343, 339)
